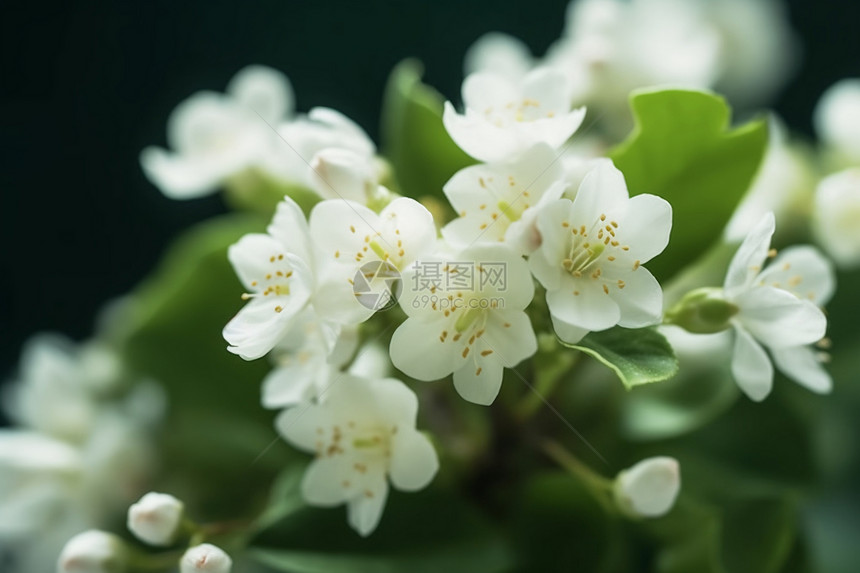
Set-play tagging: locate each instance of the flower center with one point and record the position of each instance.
(276, 282)
(591, 249)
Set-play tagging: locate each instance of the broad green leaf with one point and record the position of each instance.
(414, 140)
(172, 333)
(424, 532)
(684, 150)
(637, 356)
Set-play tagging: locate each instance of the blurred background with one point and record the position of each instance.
(85, 86)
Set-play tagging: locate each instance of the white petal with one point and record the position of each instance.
(510, 337)
(323, 480)
(804, 271)
(396, 401)
(801, 365)
(299, 425)
(749, 259)
(647, 226)
(260, 325)
(343, 174)
(602, 190)
(347, 132)
(499, 54)
(751, 367)
(181, 177)
(365, 511)
(568, 333)
(551, 90)
(339, 229)
(483, 90)
(251, 258)
(779, 319)
(413, 460)
(417, 350)
(554, 131)
(478, 137)
(291, 384)
(290, 228)
(479, 381)
(264, 90)
(640, 301)
(407, 225)
(591, 308)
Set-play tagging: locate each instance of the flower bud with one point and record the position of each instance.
(93, 552)
(649, 488)
(344, 174)
(156, 518)
(702, 311)
(205, 557)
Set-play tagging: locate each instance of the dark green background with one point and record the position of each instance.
(84, 86)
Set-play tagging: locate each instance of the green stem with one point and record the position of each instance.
(600, 486)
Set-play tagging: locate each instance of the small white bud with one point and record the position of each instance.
(344, 174)
(93, 552)
(205, 557)
(156, 518)
(649, 488)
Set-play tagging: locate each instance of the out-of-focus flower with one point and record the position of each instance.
(83, 449)
(465, 315)
(363, 434)
(649, 488)
(503, 118)
(93, 552)
(591, 254)
(499, 54)
(776, 307)
(205, 558)
(837, 118)
(306, 358)
(346, 174)
(215, 136)
(836, 218)
(156, 518)
(498, 202)
(611, 47)
(784, 185)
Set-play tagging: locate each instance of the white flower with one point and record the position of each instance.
(776, 308)
(93, 552)
(206, 558)
(783, 184)
(836, 218)
(499, 54)
(156, 518)
(357, 244)
(465, 316)
(305, 358)
(345, 174)
(837, 117)
(362, 434)
(215, 136)
(649, 488)
(611, 47)
(503, 118)
(498, 202)
(277, 270)
(591, 256)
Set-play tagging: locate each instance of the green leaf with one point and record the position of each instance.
(637, 356)
(683, 150)
(424, 532)
(172, 333)
(414, 139)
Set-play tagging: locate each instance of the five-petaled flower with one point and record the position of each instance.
(363, 434)
(591, 256)
(473, 330)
